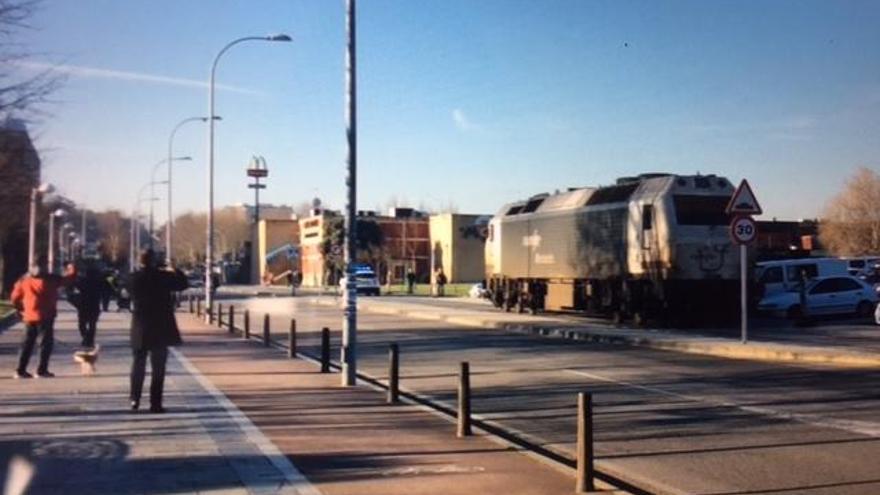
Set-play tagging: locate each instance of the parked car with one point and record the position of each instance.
(824, 296)
(785, 275)
(877, 314)
(365, 279)
(863, 265)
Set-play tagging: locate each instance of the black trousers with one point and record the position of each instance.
(47, 341)
(88, 325)
(158, 358)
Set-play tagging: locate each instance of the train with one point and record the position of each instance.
(649, 247)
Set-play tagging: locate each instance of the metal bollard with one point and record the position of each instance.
(585, 473)
(291, 339)
(247, 325)
(325, 350)
(199, 308)
(190, 300)
(464, 401)
(219, 315)
(210, 311)
(393, 374)
(266, 329)
(231, 322)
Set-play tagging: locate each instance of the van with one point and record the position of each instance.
(863, 265)
(785, 275)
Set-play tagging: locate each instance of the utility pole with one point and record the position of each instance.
(256, 170)
(349, 324)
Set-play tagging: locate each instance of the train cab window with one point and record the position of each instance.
(701, 210)
(532, 205)
(514, 210)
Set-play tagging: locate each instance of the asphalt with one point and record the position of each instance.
(667, 422)
(242, 419)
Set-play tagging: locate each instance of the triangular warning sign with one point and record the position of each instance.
(743, 201)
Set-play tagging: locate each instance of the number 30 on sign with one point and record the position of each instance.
(743, 230)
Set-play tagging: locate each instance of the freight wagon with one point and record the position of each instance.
(652, 246)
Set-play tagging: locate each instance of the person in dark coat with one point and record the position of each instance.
(91, 290)
(153, 326)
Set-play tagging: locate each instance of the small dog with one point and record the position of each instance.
(87, 359)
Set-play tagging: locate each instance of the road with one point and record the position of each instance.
(668, 422)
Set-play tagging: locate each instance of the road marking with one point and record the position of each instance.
(866, 428)
(292, 475)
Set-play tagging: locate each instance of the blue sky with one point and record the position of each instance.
(464, 103)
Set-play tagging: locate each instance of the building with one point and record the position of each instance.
(458, 246)
(267, 211)
(19, 174)
(313, 230)
(778, 239)
(406, 245)
(277, 249)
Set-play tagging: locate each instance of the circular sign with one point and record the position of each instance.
(743, 230)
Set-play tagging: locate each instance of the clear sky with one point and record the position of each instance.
(464, 102)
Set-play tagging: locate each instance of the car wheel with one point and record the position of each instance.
(864, 309)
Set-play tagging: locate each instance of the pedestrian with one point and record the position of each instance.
(441, 283)
(35, 296)
(109, 289)
(91, 290)
(410, 281)
(153, 326)
(291, 282)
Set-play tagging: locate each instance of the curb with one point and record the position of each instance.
(717, 348)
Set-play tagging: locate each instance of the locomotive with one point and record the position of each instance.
(655, 246)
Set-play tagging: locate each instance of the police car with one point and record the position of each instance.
(366, 281)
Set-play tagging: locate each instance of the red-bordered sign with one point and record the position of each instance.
(743, 230)
(744, 201)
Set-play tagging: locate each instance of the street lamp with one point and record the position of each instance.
(209, 251)
(36, 192)
(63, 244)
(52, 216)
(153, 182)
(168, 225)
(135, 234)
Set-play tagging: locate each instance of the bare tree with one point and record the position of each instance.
(232, 229)
(113, 232)
(851, 222)
(20, 94)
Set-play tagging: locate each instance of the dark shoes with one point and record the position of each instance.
(45, 374)
(157, 410)
(21, 375)
(135, 405)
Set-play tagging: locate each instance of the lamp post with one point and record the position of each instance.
(209, 249)
(153, 182)
(64, 242)
(52, 216)
(168, 225)
(349, 323)
(134, 235)
(36, 192)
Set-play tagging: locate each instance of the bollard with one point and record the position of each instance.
(199, 308)
(210, 310)
(291, 339)
(464, 401)
(231, 322)
(325, 350)
(190, 298)
(246, 334)
(393, 374)
(585, 474)
(266, 329)
(219, 315)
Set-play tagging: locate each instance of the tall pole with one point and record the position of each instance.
(209, 248)
(131, 249)
(744, 310)
(349, 324)
(32, 228)
(83, 234)
(168, 225)
(51, 266)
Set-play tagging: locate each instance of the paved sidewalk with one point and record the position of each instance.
(472, 315)
(242, 419)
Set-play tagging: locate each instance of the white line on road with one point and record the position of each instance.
(852, 426)
(294, 477)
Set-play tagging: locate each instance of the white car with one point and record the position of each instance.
(365, 282)
(477, 291)
(824, 296)
(877, 315)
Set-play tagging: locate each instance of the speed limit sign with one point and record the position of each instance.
(743, 230)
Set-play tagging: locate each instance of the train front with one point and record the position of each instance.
(703, 283)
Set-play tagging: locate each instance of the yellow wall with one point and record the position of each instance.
(455, 248)
(272, 235)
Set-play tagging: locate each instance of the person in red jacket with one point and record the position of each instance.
(35, 296)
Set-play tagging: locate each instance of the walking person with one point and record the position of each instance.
(410, 281)
(35, 296)
(153, 326)
(91, 290)
(441, 283)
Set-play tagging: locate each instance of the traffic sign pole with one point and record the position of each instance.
(744, 309)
